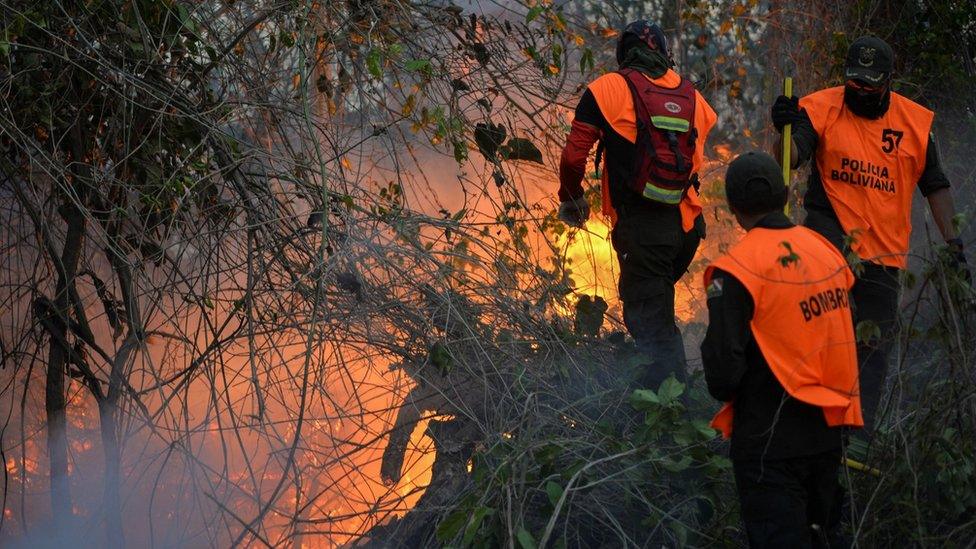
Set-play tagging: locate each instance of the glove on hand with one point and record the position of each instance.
(786, 110)
(574, 212)
(957, 259)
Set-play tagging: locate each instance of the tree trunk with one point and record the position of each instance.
(111, 504)
(55, 401)
(108, 406)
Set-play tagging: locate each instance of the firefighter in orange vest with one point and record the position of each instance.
(654, 149)
(871, 148)
(780, 352)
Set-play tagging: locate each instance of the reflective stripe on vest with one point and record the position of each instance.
(802, 323)
(667, 196)
(869, 170)
(670, 123)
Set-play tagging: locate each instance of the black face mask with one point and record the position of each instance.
(870, 105)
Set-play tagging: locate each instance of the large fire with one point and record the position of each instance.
(592, 260)
(340, 494)
(209, 460)
(595, 270)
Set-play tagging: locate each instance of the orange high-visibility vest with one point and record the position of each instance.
(616, 103)
(869, 170)
(802, 321)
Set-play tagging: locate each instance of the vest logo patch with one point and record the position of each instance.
(864, 174)
(672, 107)
(890, 139)
(823, 302)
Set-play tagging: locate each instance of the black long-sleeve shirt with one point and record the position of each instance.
(767, 422)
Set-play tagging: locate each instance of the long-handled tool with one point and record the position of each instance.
(787, 146)
(858, 466)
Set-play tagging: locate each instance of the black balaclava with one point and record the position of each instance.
(869, 62)
(867, 104)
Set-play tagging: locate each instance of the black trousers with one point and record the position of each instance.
(875, 299)
(788, 502)
(654, 252)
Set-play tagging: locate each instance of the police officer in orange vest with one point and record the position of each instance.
(871, 148)
(654, 149)
(780, 352)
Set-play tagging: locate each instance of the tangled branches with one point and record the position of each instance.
(254, 251)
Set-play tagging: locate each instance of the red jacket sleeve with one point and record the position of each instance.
(572, 165)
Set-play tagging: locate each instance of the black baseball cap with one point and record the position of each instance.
(869, 60)
(754, 184)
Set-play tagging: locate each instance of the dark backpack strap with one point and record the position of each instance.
(673, 145)
(601, 148)
(641, 116)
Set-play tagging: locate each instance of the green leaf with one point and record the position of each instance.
(867, 331)
(586, 60)
(908, 279)
(525, 539)
(959, 221)
(680, 532)
(670, 389)
(651, 417)
(720, 462)
(460, 151)
(373, 63)
(637, 360)
(476, 518)
(441, 358)
(519, 148)
(554, 491)
(704, 428)
(685, 435)
(676, 466)
(417, 65)
(448, 528)
(286, 38)
(643, 399)
(533, 13)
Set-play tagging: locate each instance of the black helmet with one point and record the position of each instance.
(642, 31)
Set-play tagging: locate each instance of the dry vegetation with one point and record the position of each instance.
(253, 251)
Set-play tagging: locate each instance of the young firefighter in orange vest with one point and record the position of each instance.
(780, 351)
(654, 148)
(871, 149)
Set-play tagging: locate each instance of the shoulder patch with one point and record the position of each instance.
(714, 288)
